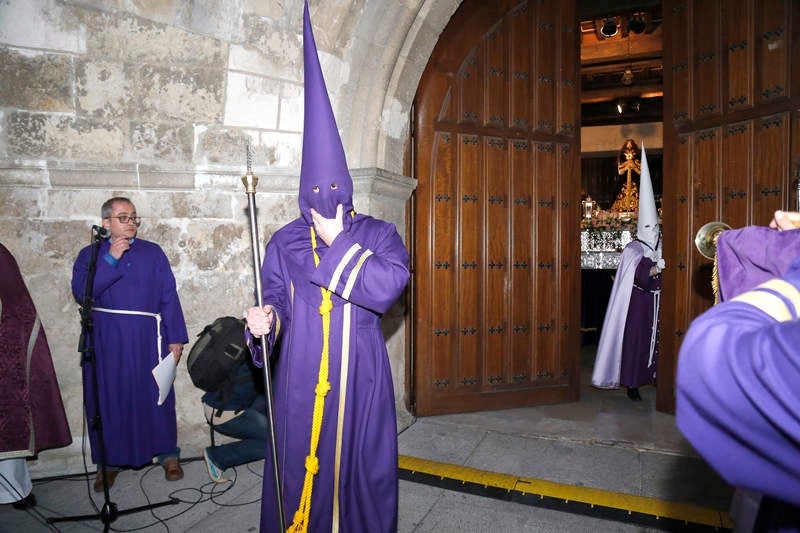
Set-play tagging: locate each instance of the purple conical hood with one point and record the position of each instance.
(325, 181)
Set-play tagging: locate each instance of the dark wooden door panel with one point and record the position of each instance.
(733, 162)
(705, 197)
(707, 60)
(737, 168)
(469, 264)
(771, 166)
(544, 260)
(738, 23)
(544, 66)
(520, 70)
(495, 369)
(497, 61)
(442, 270)
(676, 22)
(773, 53)
(566, 369)
(568, 73)
(521, 279)
(496, 185)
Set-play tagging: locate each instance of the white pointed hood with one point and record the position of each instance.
(647, 230)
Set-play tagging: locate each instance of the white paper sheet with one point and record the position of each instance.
(164, 374)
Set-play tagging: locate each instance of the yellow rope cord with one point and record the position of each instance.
(301, 516)
(715, 280)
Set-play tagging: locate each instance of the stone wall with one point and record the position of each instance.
(157, 101)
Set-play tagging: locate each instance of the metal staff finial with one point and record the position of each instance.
(250, 181)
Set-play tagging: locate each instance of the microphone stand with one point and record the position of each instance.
(250, 182)
(109, 511)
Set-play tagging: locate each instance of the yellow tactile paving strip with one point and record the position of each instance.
(570, 493)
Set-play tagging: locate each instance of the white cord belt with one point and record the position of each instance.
(656, 305)
(157, 316)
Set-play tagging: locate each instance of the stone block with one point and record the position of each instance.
(217, 144)
(269, 48)
(220, 179)
(80, 206)
(20, 203)
(218, 18)
(161, 142)
(282, 149)
(270, 9)
(165, 179)
(191, 94)
(195, 205)
(156, 10)
(251, 101)
(80, 175)
(220, 247)
(42, 24)
(291, 108)
(119, 36)
(103, 88)
(12, 175)
(63, 137)
(35, 81)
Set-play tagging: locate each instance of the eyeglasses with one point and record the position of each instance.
(126, 219)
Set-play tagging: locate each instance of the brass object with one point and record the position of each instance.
(628, 162)
(706, 238)
(249, 180)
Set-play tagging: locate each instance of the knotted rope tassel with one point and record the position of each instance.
(301, 516)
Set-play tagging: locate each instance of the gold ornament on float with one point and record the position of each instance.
(627, 202)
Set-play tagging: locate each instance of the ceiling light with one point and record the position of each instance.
(627, 77)
(620, 106)
(609, 28)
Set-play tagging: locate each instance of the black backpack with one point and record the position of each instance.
(219, 350)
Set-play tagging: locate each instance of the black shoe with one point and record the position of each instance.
(633, 394)
(25, 503)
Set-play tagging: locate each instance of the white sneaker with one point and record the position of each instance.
(213, 470)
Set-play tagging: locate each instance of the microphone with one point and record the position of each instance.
(102, 232)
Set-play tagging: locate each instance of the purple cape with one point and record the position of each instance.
(366, 269)
(135, 429)
(32, 416)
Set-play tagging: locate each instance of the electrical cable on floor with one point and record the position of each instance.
(191, 496)
(32, 510)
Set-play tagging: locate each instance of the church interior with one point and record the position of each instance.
(491, 134)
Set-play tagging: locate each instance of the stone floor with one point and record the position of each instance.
(603, 441)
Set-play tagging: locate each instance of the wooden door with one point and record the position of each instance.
(730, 141)
(496, 212)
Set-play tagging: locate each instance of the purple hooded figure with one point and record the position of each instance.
(736, 392)
(327, 278)
(628, 348)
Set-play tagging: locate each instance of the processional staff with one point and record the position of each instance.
(250, 182)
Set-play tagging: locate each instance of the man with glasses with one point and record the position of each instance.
(137, 320)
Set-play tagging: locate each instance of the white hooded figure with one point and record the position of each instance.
(628, 346)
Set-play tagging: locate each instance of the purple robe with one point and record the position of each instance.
(366, 269)
(135, 429)
(32, 416)
(628, 346)
(752, 419)
(738, 394)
